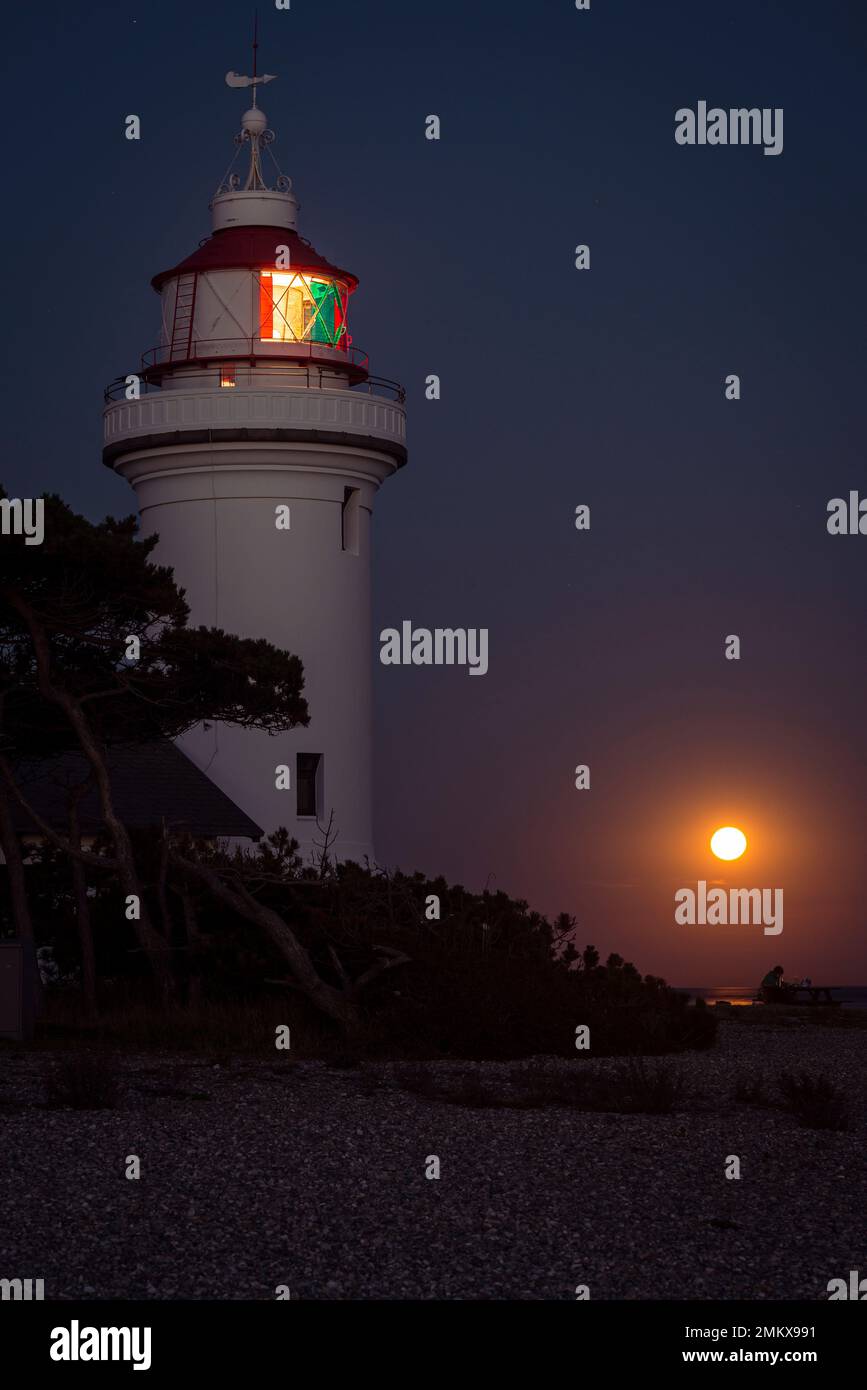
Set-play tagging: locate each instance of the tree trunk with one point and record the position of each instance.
(155, 948)
(334, 1003)
(15, 871)
(11, 846)
(194, 950)
(82, 917)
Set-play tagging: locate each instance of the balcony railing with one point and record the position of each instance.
(267, 374)
(239, 349)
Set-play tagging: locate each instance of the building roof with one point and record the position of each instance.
(236, 248)
(151, 782)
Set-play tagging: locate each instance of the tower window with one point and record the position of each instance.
(349, 520)
(308, 783)
(227, 374)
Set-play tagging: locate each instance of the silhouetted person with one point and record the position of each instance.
(772, 986)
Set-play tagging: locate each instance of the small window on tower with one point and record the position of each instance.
(308, 783)
(227, 374)
(349, 520)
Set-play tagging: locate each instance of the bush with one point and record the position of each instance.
(82, 1082)
(487, 979)
(418, 1080)
(815, 1101)
(503, 1007)
(629, 1089)
(650, 1090)
(750, 1091)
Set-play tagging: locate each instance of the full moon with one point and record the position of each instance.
(728, 842)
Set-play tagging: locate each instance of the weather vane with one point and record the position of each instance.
(235, 79)
(254, 130)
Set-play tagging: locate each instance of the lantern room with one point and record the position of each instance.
(255, 293)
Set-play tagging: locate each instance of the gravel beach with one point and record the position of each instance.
(261, 1174)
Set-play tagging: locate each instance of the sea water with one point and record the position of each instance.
(851, 996)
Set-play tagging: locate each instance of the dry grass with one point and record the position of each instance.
(82, 1081)
(815, 1101)
(633, 1087)
(220, 1028)
(750, 1090)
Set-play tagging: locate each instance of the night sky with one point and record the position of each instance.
(559, 387)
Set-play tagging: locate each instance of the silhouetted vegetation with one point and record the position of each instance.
(155, 936)
(815, 1101)
(82, 1081)
(633, 1087)
(488, 979)
(95, 652)
(750, 1090)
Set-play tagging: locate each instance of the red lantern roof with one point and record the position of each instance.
(254, 248)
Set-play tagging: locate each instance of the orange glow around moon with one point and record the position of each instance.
(728, 842)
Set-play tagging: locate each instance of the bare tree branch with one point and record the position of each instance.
(394, 959)
(61, 842)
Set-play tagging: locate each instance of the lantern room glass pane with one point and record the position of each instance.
(322, 326)
(288, 309)
(300, 308)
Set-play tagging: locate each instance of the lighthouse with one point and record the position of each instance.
(256, 439)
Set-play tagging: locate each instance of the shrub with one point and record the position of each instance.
(342, 1060)
(418, 1080)
(650, 1090)
(750, 1090)
(498, 1007)
(487, 979)
(630, 1088)
(815, 1101)
(471, 1090)
(82, 1081)
(130, 1020)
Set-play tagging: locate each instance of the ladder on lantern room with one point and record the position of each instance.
(182, 323)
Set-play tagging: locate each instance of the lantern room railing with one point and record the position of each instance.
(251, 350)
(267, 374)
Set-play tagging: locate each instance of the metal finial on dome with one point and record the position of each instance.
(253, 202)
(254, 123)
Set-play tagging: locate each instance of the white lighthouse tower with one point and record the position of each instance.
(256, 447)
